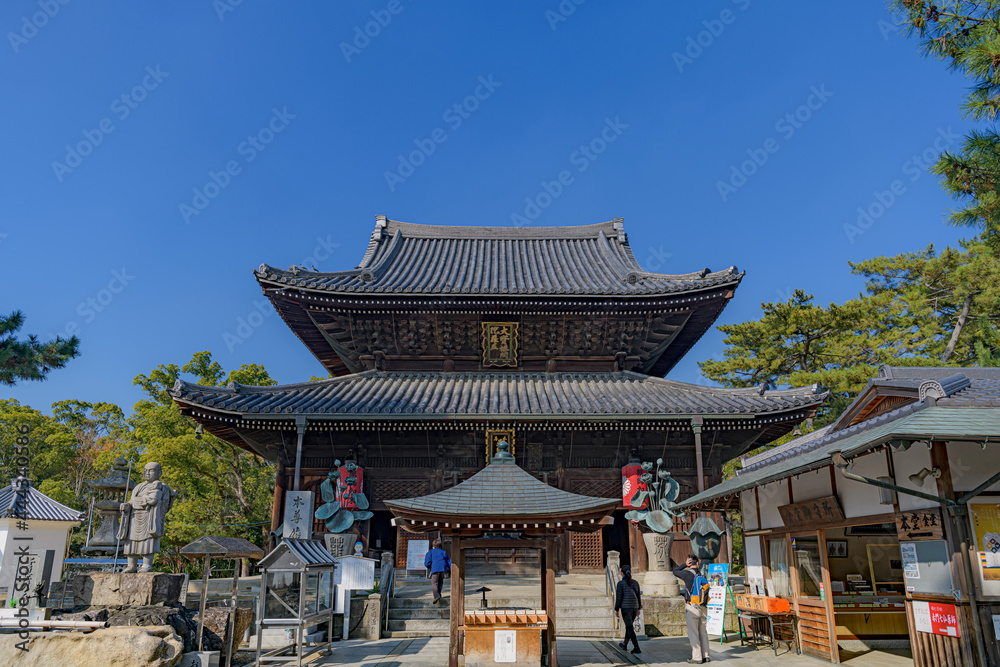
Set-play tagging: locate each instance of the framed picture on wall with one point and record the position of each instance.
(836, 548)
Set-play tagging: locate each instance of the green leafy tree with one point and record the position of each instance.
(920, 308)
(30, 359)
(966, 35)
(223, 489)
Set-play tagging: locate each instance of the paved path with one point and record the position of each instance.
(580, 652)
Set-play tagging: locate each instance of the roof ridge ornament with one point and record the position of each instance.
(618, 224)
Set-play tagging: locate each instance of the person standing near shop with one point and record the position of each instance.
(695, 608)
(628, 600)
(437, 563)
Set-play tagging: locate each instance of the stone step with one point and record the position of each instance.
(412, 634)
(419, 612)
(420, 625)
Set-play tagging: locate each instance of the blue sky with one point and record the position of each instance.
(155, 153)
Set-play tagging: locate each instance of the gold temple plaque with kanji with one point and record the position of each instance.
(495, 435)
(499, 343)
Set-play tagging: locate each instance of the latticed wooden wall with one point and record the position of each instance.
(394, 489)
(599, 488)
(587, 549)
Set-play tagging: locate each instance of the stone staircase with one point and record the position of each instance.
(582, 608)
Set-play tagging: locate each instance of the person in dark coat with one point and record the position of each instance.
(437, 563)
(628, 600)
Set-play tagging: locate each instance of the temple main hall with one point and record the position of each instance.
(445, 340)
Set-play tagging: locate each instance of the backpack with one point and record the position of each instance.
(699, 591)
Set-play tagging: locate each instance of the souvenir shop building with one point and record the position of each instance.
(445, 340)
(883, 529)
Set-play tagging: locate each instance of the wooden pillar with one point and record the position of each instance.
(549, 597)
(457, 601)
(280, 484)
(300, 429)
(696, 423)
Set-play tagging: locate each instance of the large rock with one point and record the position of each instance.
(216, 625)
(136, 588)
(156, 646)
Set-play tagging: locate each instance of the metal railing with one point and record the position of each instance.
(611, 589)
(387, 589)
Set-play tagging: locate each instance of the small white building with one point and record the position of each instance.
(44, 536)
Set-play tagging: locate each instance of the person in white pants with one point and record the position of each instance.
(695, 615)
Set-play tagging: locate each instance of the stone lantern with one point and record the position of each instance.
(109, 494)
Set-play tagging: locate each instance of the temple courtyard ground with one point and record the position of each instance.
(581, 652)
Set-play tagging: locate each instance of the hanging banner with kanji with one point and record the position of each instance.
(631, 486)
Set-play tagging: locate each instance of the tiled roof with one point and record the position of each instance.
(913, 421)
(40, 506)
(497, 393)
(309, 552)
(406, 258)
(503, 489)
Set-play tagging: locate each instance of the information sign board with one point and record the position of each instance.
(415, 552)
(718, 580)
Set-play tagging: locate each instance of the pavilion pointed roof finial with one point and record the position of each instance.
(502, 455)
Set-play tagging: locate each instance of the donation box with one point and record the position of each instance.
(501, 636)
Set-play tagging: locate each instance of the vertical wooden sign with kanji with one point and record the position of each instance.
(298, 515)
(499, 344)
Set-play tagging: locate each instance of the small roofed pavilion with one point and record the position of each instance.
(502, 498)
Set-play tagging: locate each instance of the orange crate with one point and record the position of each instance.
(775, 605)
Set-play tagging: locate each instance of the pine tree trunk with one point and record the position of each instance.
(959, 325)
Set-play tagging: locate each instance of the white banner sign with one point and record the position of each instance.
(415, 552)
(718, 577)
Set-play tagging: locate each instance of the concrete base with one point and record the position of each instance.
(200, 659)
(659, 584)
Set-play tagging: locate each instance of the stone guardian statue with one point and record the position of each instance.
(144, 517)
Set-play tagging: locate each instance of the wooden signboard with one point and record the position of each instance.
(920, 525)
(821, 510)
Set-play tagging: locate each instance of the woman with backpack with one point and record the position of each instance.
(695, 608)
(628, 600)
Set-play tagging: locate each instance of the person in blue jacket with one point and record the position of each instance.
(437, 563)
